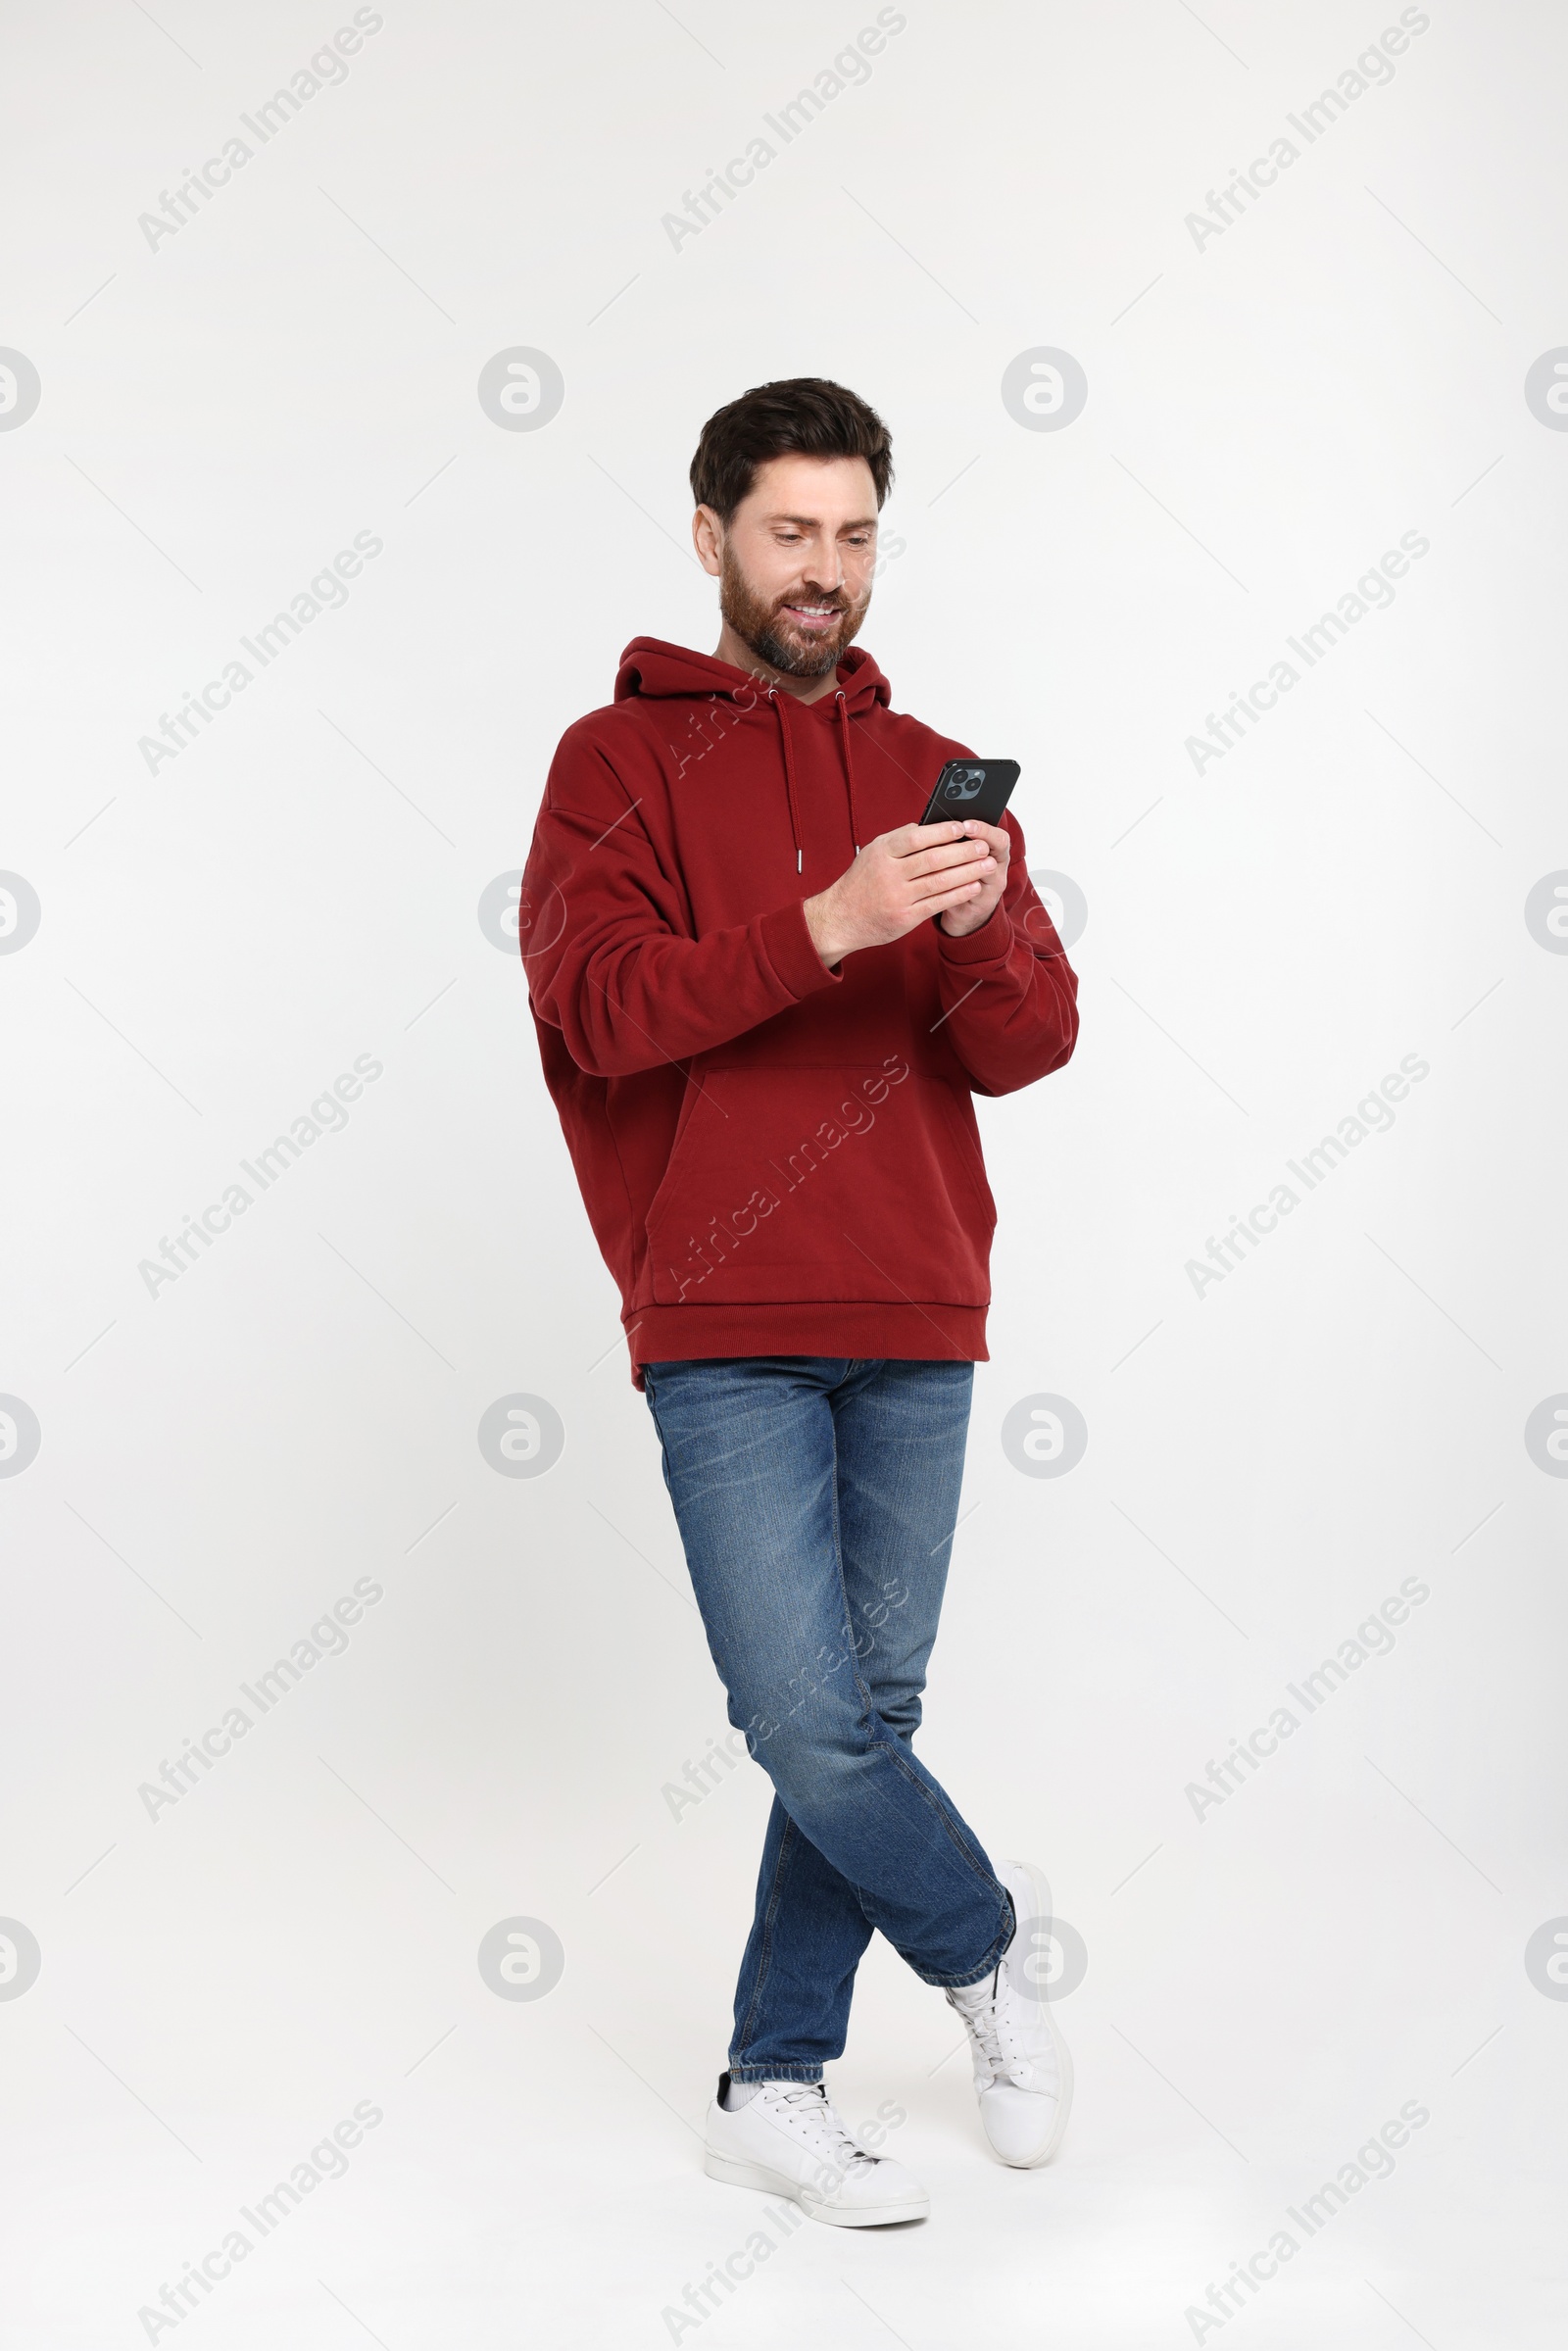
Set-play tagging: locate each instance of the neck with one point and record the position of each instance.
(739, 654)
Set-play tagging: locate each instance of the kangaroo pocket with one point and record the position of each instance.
(805, 1185)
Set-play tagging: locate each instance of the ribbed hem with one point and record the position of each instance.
(858, 1329)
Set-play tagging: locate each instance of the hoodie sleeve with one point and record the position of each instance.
(1008, 993)
(607, 940)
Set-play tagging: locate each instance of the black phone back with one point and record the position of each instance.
(978, 788)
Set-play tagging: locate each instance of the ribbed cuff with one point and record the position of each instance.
(775, 2073)
(789, 946)
(992, 943)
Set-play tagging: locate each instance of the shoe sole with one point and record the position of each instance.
(1031, 2163)
(736, 2173)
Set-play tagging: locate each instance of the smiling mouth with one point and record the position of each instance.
(814, 618)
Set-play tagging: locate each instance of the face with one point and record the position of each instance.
(795, 561)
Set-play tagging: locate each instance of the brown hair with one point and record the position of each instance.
(803, 416)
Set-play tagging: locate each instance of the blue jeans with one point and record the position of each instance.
(815, 1497)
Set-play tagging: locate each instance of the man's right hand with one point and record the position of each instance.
(899, 881)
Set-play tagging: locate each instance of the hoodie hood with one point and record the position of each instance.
(651, 670)
(655, 670)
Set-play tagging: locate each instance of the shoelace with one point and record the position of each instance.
(809, 2100)
(982, 2020)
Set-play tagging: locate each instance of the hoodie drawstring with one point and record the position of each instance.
(849, 766)
(789, 778)
(788, 772)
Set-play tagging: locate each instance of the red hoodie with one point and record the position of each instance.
(777, 1159)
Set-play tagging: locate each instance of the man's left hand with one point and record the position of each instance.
(960, 921)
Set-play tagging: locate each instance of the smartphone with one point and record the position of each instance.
(978, 788)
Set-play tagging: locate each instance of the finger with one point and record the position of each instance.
(938, 884)
(908, 838)
(923, 859)
(929, 908)
(959, 855)
(979, 829)
(949, 893)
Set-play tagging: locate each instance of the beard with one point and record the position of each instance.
(766, 628)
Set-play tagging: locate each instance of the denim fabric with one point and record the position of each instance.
(815, 1497)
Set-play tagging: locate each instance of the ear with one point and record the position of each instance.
(708, 537)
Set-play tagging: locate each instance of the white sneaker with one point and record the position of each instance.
(789, 2140)
(1022, 2072)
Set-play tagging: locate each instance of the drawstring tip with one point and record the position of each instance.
(800, 860)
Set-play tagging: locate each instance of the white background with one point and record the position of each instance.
(219, 1462)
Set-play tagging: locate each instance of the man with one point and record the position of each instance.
(764, 995)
